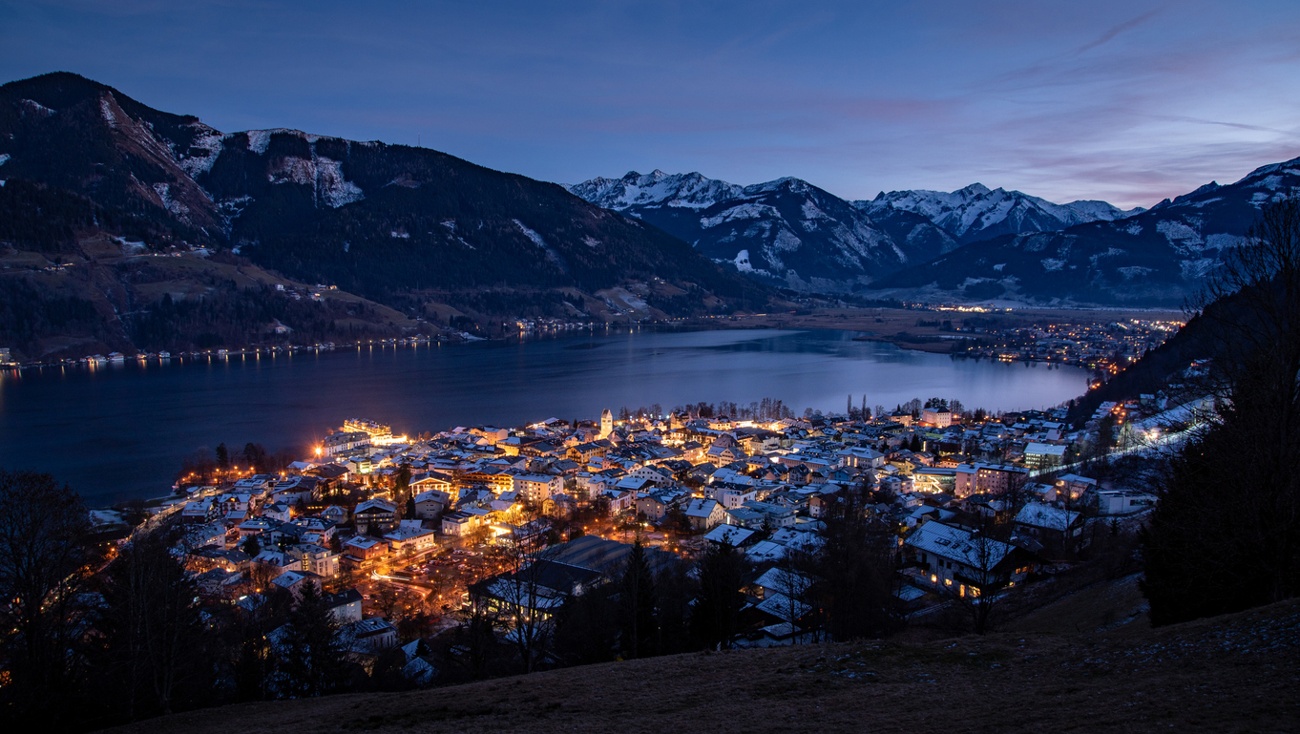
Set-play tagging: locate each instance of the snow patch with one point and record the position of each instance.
(530, 234)
(399, 234)
(39, 108)
(324, 175)
(1051, 264)
(4, 158)
(811, 212)
(1272, 183)
(742, 262)
(1221, 241)
(998, 268)
(1134, 229)
(258, 140)
(332, 187)
(590, 241)
(786, 241)
(106, 107)
(1179, 234)
(164, 194)
(448, 224)
(536, 239)
(740, 212)
(203, 151)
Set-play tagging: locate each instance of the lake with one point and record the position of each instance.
(122, 431)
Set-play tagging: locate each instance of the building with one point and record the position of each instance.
(963, 562)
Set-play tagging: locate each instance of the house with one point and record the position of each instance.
(378, 513)
(1113, 502)
(370, 636)
(1001, 480)
(1060, 531)
(365, 548)
(409, 537)
(704, 514)
(964, 562)
(431, 503)
(1072, 487)
(536, 488)
(315, 559)
(1044, 455)
(730, 495)
(465, 520)
(344, 606)
(731, 536)
(334, 514)
(295, 581)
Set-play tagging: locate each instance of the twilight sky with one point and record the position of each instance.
(1128, 100)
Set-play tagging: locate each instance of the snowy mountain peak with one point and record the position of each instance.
(655, 189)
(977, 212)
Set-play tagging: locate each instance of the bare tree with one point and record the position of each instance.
(42, 557)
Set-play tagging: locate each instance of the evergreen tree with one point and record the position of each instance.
(857, 564)
(716, 617)
(309, 661)
(638, 620)
(1225, 535)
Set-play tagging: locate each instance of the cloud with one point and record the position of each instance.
(1114, 31)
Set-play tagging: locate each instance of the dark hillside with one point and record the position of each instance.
(1236, 673)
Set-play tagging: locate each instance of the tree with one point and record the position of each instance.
(857, 563)
(1225, 534)
(716, 617)
(638, 618)
(154, 640)
(309, 657)
(42, 557)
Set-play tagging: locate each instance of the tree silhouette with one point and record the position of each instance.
(42, 530)
(1225, 534)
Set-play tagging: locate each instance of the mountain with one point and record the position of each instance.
(1158, 257)
(787, 231)
(977, 213)
(407, 227)
(806, 238)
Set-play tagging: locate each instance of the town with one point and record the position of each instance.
(417, 545)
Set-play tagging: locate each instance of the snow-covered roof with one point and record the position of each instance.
(1039, 515)
(960, 545)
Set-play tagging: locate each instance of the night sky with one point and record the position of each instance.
(1128, 101)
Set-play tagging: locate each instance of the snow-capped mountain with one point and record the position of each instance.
(1157, 257)
(809, 239)
(385, 221)
(680, 190)
(978, 213)
(786, 230)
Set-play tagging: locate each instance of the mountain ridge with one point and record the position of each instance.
(412, 228)
(801, 236)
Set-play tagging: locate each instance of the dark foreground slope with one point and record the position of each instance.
(1237, 673)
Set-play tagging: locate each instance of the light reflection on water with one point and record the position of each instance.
(123, 432)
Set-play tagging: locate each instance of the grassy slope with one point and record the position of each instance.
(1236, 673)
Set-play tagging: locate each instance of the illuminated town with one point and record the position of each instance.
(409, 539)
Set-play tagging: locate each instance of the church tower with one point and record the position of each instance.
(606, 423)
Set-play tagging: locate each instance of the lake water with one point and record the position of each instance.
(123, 431)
